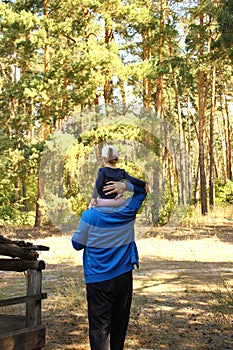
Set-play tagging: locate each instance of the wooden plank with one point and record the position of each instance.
(33, 308)
(14, 251)
(26, 339)
(21, 265)
(21, 300)
(10, 323)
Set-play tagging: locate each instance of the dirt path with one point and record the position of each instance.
(173, 306)
(182, 277)
(183, 284)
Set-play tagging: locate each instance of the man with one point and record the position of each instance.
(110, 254)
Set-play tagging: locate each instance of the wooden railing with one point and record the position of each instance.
(19, 332)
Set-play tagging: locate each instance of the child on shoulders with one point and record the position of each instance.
(110, 172)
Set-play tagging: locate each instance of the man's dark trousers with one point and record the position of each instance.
(109, 305)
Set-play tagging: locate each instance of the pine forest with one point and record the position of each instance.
(153, 77)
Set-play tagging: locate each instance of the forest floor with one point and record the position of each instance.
(183, 297)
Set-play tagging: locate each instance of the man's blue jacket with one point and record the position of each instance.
(107, 236)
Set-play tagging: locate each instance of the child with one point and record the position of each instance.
(110, 172)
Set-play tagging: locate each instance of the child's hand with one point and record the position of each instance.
(93, 202)
(147, 188)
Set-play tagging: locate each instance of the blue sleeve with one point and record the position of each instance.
(131, 205)
(134, 180)
(80, 236)
(139, 196)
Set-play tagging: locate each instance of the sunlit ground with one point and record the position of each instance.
(182, 291)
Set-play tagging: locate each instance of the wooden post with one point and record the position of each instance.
(33, 307)
(30, 333)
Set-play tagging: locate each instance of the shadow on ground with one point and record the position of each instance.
(173, 307)
(222, 231)
(177, 305)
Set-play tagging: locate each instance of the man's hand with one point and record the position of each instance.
(115, 187)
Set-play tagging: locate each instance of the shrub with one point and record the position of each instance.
(224, 192)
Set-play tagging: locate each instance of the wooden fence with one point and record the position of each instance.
(24, 332)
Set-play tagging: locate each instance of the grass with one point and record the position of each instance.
(221, 299)
(223, 213)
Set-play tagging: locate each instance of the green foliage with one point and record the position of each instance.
(14, 214)
(79, 203)
(224, 192)
(166, 209)
(225, 20)
(19, 166)
(57, 58)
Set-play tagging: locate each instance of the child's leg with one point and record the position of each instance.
(103, 202)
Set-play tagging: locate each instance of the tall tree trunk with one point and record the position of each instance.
(144, 84)
(17, 190)
(228, 142)
(24, 189)
(46, 116)
(160, 190)
(40, 196)
(189, 167)
(182, 158)
(147, 83)
(211, 145)
(201, 117)
(108, 86)
(46, 126)
(195, 198)
(204, 208)
(108, 91)
(159, 82)
(223, 135)
(123, 96)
